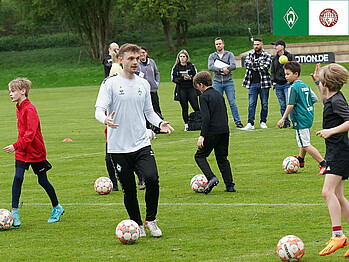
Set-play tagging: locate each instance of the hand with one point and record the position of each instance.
(226, 71)
(325, 133)
(9, 149)
(187, 77)
(201, 142)
(315, 75)
(109, 121)
(280, 123)
(165, 127)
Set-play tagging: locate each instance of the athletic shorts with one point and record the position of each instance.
(340, 168)
(303, 137)
(38, 167)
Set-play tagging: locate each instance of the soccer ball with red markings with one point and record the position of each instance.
(290, 164)
(103, 185)
(290, 248)
(198, 183)
(6, 219)
(127, 231)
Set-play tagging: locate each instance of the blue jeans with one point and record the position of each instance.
(253, 92)
(229, 89)
(281, 92)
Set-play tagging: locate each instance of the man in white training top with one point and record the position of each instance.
(126, 98)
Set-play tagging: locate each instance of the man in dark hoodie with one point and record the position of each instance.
(278, 77)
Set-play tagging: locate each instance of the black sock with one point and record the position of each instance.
(323, 163)
(300, 159)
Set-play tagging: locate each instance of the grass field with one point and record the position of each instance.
(241, 226)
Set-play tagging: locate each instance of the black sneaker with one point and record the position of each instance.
(230, 189)
(239, 125)
(286, 125)
(212, 183)
(115, 187)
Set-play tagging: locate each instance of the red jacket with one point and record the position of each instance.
(30, 144)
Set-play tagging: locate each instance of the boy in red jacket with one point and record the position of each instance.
(29, 149)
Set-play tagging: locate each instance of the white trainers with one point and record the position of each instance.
(155, 231)
(263, 125)
(248, 127)
(186, 127)
(142, 231)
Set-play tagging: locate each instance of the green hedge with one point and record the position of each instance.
(25, 42)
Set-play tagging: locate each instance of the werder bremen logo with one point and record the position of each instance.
(290, 17)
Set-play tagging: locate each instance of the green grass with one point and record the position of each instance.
(62, 67)
(244, 226)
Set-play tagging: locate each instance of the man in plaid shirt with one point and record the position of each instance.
(257, 80)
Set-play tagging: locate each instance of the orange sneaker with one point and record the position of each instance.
(322, 170)
(334, 244)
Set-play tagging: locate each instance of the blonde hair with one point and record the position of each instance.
(185, 52)
(128, 48)
(334, 76)
(19, 84)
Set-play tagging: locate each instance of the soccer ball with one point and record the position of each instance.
(290, 248)
(6, 219)
(151, 134)
(127, 231)
(198, 183)
(103, 185)
(290, 164)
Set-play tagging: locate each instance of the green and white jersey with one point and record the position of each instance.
(302, 113)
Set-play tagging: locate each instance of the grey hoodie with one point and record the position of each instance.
(228, 58)
(151, 73)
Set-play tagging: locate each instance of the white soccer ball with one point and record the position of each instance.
(290, 248)
(198, 183)
(103, 185)
(290, 164)
(6, 219)
(127, 231)
(151, 134)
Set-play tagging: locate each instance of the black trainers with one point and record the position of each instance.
(286, 125)
(230, 189)
(212, 183)
(115, 187)
(239, 125)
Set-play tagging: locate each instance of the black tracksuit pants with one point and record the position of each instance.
(219, 143)
(125, 165)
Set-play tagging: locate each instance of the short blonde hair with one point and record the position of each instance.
(334, 76)
(19, 84)
(128, 48)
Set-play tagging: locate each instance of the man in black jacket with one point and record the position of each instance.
(214, 133)
(278, 77)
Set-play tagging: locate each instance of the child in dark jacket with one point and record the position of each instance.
(214, 133)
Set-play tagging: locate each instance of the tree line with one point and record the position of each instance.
(97, 22)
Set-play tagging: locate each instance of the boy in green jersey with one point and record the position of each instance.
(300, 105)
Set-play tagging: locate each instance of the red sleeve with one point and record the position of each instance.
(30, 128)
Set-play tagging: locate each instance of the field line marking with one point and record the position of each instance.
(179, 204)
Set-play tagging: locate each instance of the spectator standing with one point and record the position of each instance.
(182, 75)
(148, 70)
(278, 77)
(108, 61)
(257, 80)
(221, 63)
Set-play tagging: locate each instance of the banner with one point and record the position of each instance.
(310, 17)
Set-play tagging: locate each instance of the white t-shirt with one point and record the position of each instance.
(130, 99)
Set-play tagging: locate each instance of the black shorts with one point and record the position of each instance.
(38, 167)
(340, 168)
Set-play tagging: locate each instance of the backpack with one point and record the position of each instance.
(194, 122)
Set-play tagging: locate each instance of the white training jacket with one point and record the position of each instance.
(130, 99)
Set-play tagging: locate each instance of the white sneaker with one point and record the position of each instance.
(263, 125)
(142, 231)
(186, 127)
(155, 231)
(248, 127)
